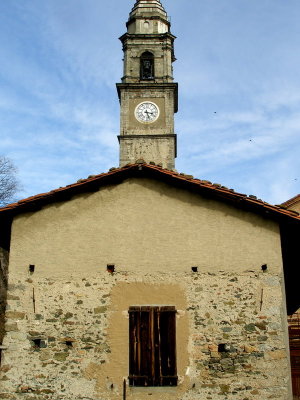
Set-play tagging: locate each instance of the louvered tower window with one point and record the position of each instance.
(152, 346)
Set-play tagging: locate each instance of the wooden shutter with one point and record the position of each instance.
(152, 346)
(168, 346)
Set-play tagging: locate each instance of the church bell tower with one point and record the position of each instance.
(148, 96)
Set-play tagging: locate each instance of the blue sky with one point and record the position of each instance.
(238, 69)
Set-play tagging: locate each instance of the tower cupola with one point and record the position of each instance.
(148, 16)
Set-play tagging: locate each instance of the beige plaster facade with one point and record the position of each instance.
(154, 233)
(124, 224)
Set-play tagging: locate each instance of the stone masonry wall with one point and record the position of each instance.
(3, 288)
(161, 150)
(63, 342)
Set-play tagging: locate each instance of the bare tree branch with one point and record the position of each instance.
(9, 184)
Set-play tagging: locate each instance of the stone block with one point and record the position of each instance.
(262, 338)
(213, 347)
(68, 315)
(5, 368)
(61, 356)
(11, 327)
(12, 297)
(19, 336)
(15, 315)
(34, 333)
(215, 354)
(250, 349)
(261, 325)
(276, 355)
(250, 327)
(224, 389)
(100, 310)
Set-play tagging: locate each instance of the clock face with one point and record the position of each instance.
(146, 112)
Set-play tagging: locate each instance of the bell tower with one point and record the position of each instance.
(148, 95)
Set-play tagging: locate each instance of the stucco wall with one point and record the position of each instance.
(146, 226)
(154, 234)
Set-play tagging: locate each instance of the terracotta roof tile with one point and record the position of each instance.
(207, 188)
(290, 202)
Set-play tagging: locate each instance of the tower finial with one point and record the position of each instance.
(151, 7)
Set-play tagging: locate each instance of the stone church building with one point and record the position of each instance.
(143, 281)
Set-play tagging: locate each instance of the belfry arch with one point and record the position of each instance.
(147, 71)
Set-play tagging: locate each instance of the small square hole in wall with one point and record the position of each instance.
(110, 268)
(31, 268)
(39, 343)
(264, 267)
(223, 348)
(69, 343)
(195, 269)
